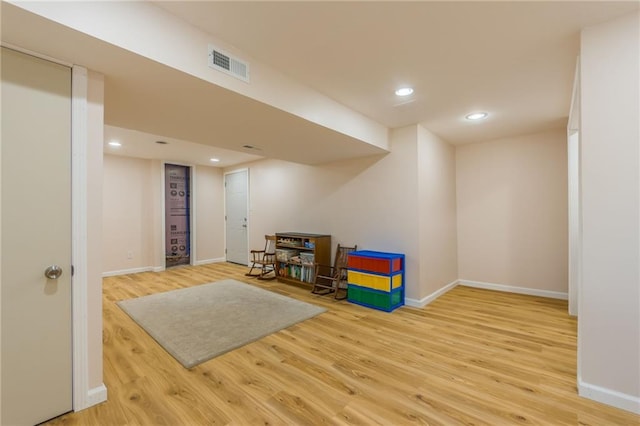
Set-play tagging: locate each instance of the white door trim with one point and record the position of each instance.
(574, 199)
(79, 82)
(83, 396)
(192, 215)
(575, 225)
(161, 211)
(35, 54)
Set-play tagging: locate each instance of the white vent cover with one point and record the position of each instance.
(221, 61)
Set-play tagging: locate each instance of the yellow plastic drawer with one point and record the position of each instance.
(378, 282)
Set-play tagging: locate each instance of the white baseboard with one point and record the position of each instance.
(420, 303)
(208, 261)
(609, 397)
(93, 397)
(128, 271)
(158, 268)
(513, 289)
(97, 395)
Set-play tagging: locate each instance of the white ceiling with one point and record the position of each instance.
(515, 60)
(144, 145)
(162, 102)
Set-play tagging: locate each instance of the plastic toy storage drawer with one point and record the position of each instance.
(377, 282)
(376, 262)
(376, 299)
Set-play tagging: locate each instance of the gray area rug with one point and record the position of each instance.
(198, 323)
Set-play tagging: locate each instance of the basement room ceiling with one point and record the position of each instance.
(515, 60)
(133, 143)
(146, 96)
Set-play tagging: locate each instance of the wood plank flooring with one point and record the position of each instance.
(473, 357)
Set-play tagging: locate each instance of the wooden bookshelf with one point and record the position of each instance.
(294, 251)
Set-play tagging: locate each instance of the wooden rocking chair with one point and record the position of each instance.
(333, 279)
(264, 260)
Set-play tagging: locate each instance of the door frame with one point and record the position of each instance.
(224, 183)
(192, 211)
(575, 222)
(79, 240)
(574, 191)
(82, 395)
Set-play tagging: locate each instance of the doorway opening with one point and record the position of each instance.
(177, 215)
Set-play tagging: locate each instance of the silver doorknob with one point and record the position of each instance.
(53, 272)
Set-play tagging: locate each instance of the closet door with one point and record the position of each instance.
(236, 215)
(35, 271)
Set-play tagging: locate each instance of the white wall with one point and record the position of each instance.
(373, 202)
(209, 214)
(95, 126)
(133, 214)
(512, 212)
(437, 221)
(609, 300)
(127, 203)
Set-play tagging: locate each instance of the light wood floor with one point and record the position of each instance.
(471, 357)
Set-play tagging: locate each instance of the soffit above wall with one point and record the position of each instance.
(147, 96)
(513, 59)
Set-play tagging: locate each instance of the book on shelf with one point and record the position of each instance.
(299, 271)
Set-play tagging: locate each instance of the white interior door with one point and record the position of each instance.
(36, 234)
(236, 215)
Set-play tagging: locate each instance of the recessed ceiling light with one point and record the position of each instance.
(214, 160)
(404, 91)
(477, 116)
(115, 143)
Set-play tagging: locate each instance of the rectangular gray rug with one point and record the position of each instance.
(198, 323)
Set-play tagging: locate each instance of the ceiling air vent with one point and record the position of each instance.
(221, 61)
